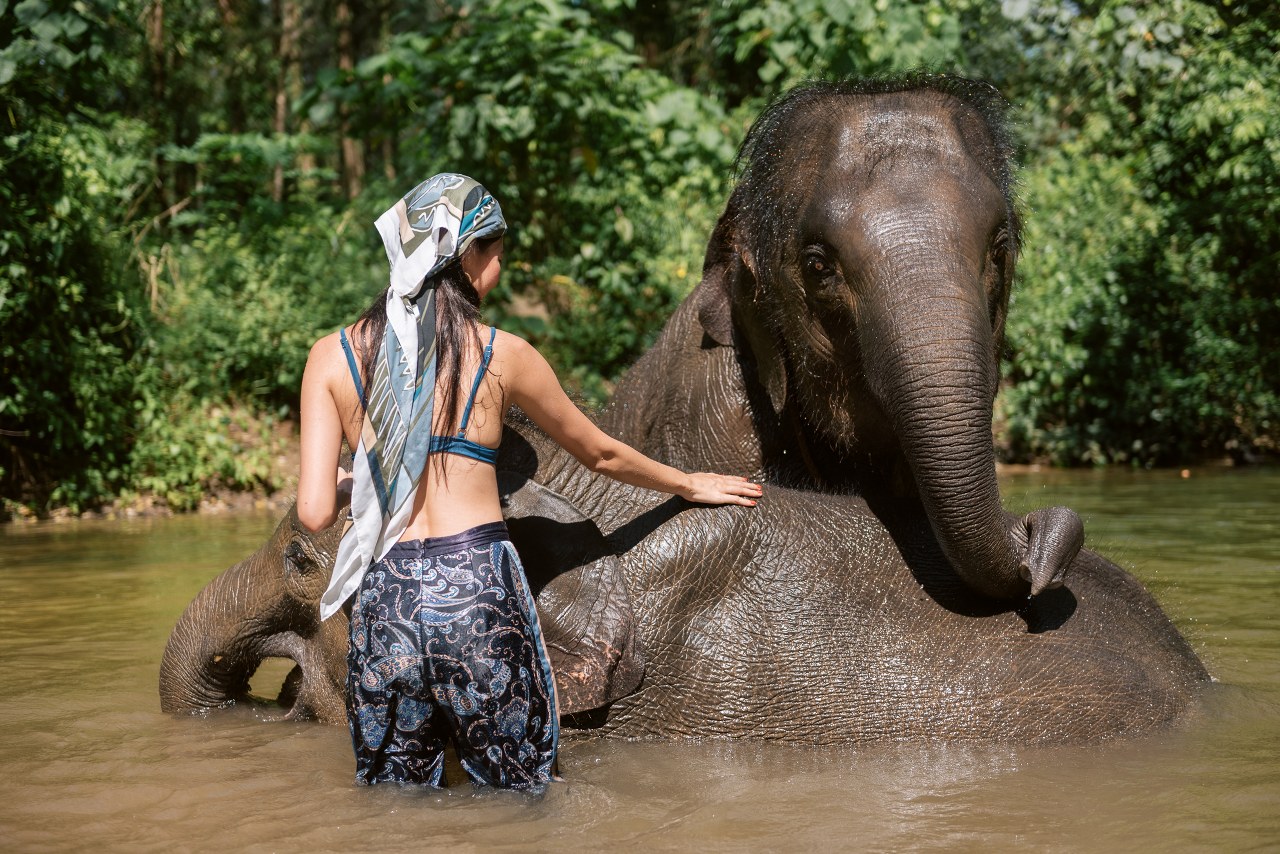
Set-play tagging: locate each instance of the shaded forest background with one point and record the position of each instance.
(187, 189)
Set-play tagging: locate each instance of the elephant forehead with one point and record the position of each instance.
(908, 148)
(905, 135)
(896, 173)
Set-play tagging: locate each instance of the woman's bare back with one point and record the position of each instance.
(456, 492)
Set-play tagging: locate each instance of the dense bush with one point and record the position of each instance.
(235, 309)
(1143, 325)
(72, 324)
(188, 191)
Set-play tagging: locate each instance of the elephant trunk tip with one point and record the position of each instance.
(1052, 537)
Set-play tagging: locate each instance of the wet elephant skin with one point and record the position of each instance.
(800, 620)
(852, 351)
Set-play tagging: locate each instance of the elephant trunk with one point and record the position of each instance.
(202, 668)
(957, 486)
(939, 387)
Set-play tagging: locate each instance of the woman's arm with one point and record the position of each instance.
(319, 498)
(535, 389)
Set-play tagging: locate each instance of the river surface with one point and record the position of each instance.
(89, 762)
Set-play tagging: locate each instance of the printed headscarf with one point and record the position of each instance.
(422, 233)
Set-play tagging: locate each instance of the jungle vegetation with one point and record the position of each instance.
(187, 189)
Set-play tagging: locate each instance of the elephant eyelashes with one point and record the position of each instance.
(296, 559)
(817, 268)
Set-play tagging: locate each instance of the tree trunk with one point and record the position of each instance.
(352, 151)
(155, 43)
(159, 82)
(288, 81)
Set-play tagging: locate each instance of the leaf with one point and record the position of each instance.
(29, 11)
(74, 26)
(321, 113)
(783, 51)
(1015, 10)
(624, 228)
(770, 71)
(46, 29)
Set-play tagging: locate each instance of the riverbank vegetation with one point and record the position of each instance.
(187, 190)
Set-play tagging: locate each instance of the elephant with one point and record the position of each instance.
(847, 330)
(802, 620)
(843, 344)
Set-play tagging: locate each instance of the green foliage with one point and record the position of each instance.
(54, 50)
(610, 174)
(1149, 295)
(1070, 327)
(188, 446)
(745, 52)
(114, 382)
(188, 190)
(239, 304)
(72, 325)
(788, 41)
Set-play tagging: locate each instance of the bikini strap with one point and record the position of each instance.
(475, 386)
(351, 363)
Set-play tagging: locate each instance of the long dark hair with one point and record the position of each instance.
(457, 314)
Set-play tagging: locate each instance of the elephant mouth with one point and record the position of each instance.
(285, 674)
(272, 674)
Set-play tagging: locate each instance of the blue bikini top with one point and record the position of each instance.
(458, 444)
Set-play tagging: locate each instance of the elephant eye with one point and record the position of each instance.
(818, 267)
(295, 557)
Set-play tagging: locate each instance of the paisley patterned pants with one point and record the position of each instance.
(445, 647)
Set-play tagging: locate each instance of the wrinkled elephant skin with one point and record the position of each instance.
(844, 337)
(802, 620)
(268, 606)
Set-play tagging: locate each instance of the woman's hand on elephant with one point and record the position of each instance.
(710, 488)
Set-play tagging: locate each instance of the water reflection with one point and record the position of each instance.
(90, 763)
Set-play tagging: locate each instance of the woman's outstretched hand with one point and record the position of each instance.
(708, 488)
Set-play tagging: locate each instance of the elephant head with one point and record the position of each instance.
(268, 606)
(862, 268)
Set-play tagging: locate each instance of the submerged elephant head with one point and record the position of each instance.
(862, 270)
(268, 606)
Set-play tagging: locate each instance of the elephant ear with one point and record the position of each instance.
(584, 607)
(730, 309)
(999, 281)
(1002, 259)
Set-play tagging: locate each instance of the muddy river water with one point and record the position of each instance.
(88, 762)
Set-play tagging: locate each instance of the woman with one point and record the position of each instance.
(445, 643)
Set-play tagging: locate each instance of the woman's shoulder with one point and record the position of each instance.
(508, 345)
(327, 354)
(327, 345)
(508, 339)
